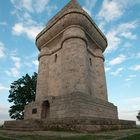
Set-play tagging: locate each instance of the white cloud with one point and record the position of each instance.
(107, 69)
(31, 6)
(130, 77)
(117, 72)
(110, 10)
(89, 5)
(3, 88)
(40, 5)
(36, 63)
(17, 61)
(129, 35)
(13, 72)
(114, 9)
(118, 60)
(30, 31)
(27, 4)
(2, 50)
(135, 68)
(26, 25)
(113, 41)
(114, 36)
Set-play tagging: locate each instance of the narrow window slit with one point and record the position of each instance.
(55, 59)
(90, 61)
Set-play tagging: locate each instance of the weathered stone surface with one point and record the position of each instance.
(81, 124)
(71, 86)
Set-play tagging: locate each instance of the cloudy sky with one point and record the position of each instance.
(22, 20)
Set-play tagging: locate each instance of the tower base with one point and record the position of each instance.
(69, 124)
(75, 111)
(73, 105)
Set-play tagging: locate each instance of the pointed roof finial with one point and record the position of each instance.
(73, 4)
(73, 1)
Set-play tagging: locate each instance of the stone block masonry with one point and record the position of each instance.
(71, 89)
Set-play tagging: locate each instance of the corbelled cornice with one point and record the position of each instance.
(71, 14)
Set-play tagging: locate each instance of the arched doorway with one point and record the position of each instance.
(45, 110)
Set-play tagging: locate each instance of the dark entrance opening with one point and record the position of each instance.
(45, 110)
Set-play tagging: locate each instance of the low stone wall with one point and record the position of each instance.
(69, 124)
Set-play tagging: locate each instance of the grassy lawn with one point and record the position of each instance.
(54, 135)
(133, 137)
(29, 137)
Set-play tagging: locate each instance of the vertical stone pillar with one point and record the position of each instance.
(101, 87)
(74, 61)
(43, 74)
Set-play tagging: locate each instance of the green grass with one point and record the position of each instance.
(38, 137)
(57, 135)
(133, 137)
(88, 137)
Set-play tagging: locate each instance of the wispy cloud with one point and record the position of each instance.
(110, 10)
(36, 63)
(117, 72)
(118, 60)
(114, 36)
(25, 24)
(14, 71)
(130, 77)
(2, 50)
(135, 67)
(3, 23)
(17, 61)
(89, 5)
(129, 35)
(107, 69)
(30, 31)
(30, 5)
(114, 9)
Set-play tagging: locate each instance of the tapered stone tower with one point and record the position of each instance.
(71, 79)
(71, 86)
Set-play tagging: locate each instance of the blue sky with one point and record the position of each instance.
(22, 20)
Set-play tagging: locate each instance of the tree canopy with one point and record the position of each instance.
(22, 92)
(138, 116)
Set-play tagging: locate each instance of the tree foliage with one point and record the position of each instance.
(138, 116)
(22, 92)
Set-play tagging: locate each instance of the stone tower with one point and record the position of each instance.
(71, 87)
(71, 79)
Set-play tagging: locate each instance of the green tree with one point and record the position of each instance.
(22, 92)
(138, 116)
